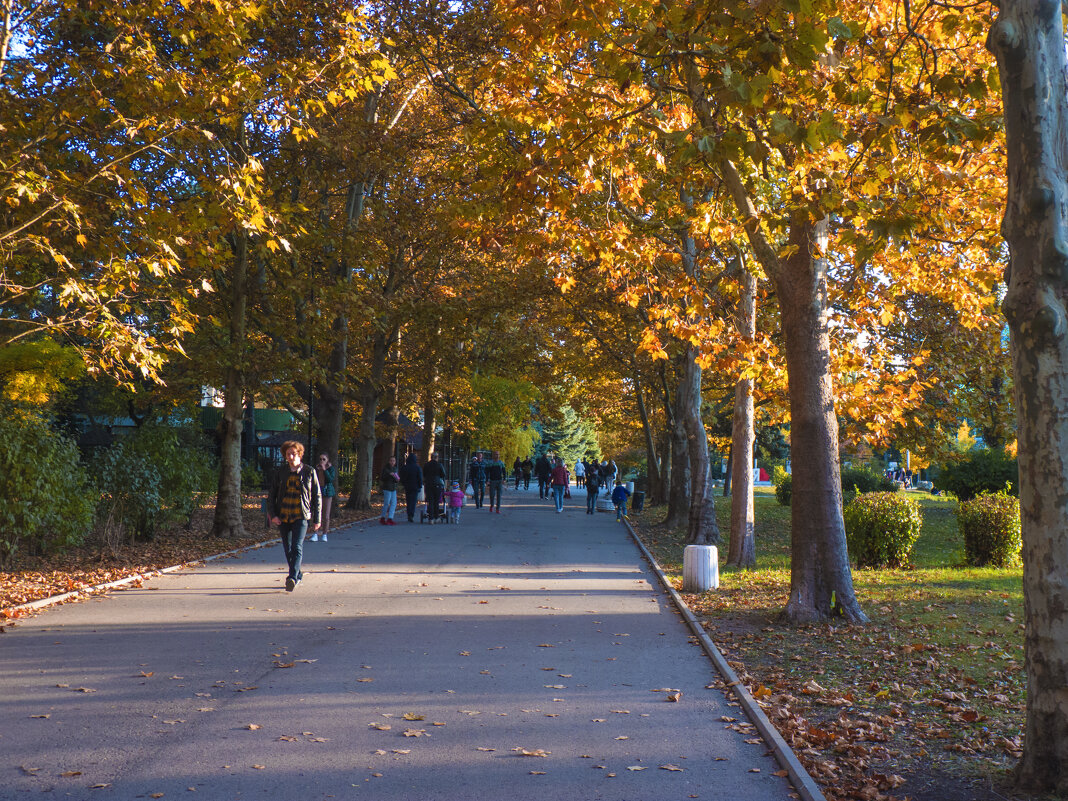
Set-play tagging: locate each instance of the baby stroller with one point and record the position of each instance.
(428, 512)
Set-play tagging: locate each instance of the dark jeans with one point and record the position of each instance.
(433, 500)
(495, 493)
(411, 501)
(517, 476)
(591, 500)
(479, 488)
(293, 545)
(543, 487)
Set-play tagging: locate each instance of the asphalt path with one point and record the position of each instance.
(522, 655)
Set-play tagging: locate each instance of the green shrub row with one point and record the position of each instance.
(983, 470)
(50, 501)
(855, 480)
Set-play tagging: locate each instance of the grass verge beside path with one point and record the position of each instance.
(34, 578)
(925, 703)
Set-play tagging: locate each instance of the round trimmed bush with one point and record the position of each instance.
(784, 486)
(881, 528)
(990, 526)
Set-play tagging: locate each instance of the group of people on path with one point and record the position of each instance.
(301, 496)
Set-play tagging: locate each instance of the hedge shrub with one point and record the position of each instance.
(983, 470)
(881, 528)
(784, 486)
(148, 479)
(46, 503)
(863, 479)
(990, 526)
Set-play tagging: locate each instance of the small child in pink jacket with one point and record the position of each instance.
(454, 500)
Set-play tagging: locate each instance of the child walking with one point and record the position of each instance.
(619, 498)
(454, 500)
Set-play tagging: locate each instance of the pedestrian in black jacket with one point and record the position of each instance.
(476, 477)
(542, 469)
(433, 486)
(411, 479)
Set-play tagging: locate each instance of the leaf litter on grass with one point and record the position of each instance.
(933, 686)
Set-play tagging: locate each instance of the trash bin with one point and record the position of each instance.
(637, 502)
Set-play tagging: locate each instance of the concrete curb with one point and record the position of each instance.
(804, 784)
(43, 603)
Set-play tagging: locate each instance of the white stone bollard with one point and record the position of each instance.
(700, 568)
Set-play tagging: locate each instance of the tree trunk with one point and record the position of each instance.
(329, 412)
(429, 424)
(360, 497)
(821, 583)
(650, 444)
(1028, 41)
(730, 471)
(742, 550)
(227, 521)
(701, 528)
(679, 491)
(660, 491)
(367, 438)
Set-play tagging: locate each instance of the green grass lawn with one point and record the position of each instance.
(940, 664)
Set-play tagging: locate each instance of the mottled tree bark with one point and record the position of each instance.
(821, 582)
(679, 490)
(701, 528)
(742, 549)
(1028, 39)
(653, 479)
(371, 389)
(227, 521)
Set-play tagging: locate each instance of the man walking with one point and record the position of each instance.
(296, 504)
(496, 473)
(543, 469)
(476, 477)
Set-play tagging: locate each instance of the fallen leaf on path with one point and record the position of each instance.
(670, 767)
(40, 717)
(535, 752)
(252, 726)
